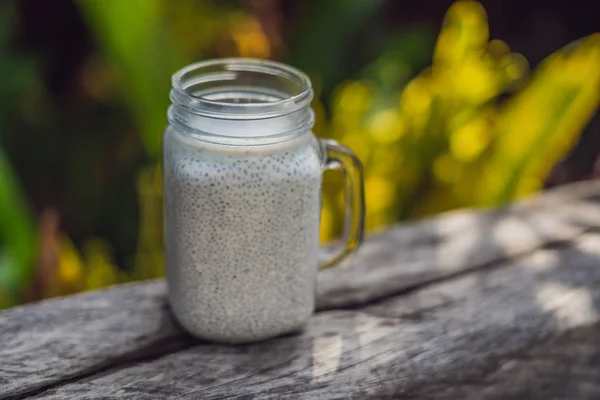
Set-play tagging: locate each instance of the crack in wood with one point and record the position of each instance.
(141, 356)
(474, 275)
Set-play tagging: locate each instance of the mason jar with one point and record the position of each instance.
(242, 185)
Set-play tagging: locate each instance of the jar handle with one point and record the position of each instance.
(342, 158)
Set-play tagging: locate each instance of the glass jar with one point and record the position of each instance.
(242, 184)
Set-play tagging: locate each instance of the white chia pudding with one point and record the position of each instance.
(242, 235)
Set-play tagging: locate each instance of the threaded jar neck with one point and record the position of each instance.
(241, 98)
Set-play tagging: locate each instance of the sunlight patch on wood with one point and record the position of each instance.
(570, 306)
(327, 353)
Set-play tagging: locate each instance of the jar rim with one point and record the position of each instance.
(278, 89)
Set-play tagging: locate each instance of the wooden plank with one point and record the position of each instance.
(56, 340)
(561, 368)
(46, 344)
(478, 323)
(418, 254)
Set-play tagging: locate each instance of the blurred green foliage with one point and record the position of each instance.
(475, 128)
(17, 229)
(130, 32)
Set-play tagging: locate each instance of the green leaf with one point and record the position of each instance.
(541, 124)
(134, 37)
(322, 38)
(17, 234)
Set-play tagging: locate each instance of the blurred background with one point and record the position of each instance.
(448, 105)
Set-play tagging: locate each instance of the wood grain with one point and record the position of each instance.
(395, 309)
(478, 323)
(565, 367)
(56, 340)
(415, 255)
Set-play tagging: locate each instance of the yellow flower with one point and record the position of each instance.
(475, 81)
(465, 32)
(250, 39)
(470, 140)
(358, 142)
(352, 97)
(416, 97)
(379, 193)
(498, 49)
(70, 267)
(385, 126)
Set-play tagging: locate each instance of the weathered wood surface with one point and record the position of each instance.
(501, 304)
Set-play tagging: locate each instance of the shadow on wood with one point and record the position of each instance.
(435, 309)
